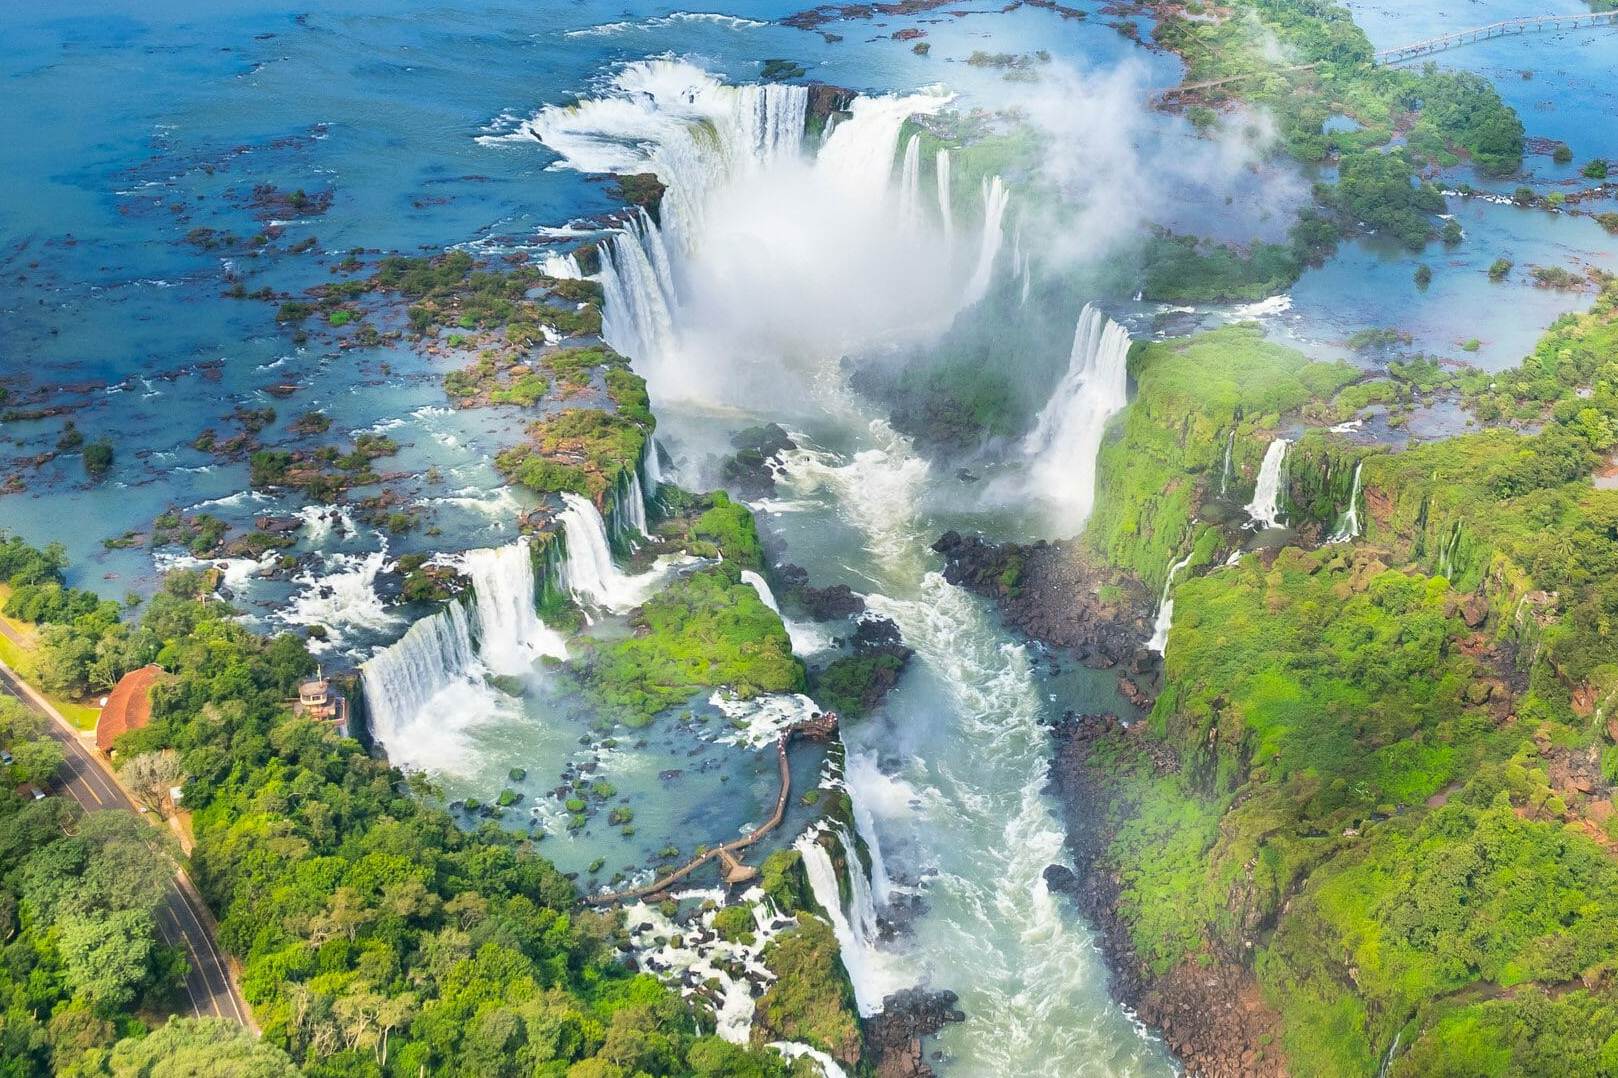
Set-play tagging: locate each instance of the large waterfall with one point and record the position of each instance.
(1265, 508)
(590, 572)
(425, 691)
(1063, 445)
(856, 928)
(1165, 609)
(510, 634)
(638, 289)
(1349, 528)
(995, 198)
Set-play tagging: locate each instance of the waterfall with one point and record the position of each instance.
(994, 211)
(1265, 507)
(1350, 526)
(1067, 435)
(631, 507)
(1224, 470)
(946, 211)
(807, 638)
(910, 185)
(651, 467)
(769, 121)
(1165, 610)
(793, 1049)
(510, 634)
(1446, 556)
(402, 679)
(561, 267)
(637, 285)
(589, 572)
(856, 930)
(861, 771)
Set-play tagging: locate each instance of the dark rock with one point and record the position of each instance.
(894, 1035)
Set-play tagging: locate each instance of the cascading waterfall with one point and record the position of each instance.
(510, 634)
(1350, 526)
(1063, 445)
(807, 639)
(910, 185)
(563, 267)
(402, 680)
(862, 771)
(633, 505)
(1224, 469)
(651, 467)
(856, 929)
(995, 198)
(1265, 508)
(1165, 610)
(637, 286)
(589, 571)
(946, 209)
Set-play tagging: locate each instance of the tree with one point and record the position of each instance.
(36, 761)
(151, 774)
(98, 458)
(19, 722)
(198, 1048)
(109, 959)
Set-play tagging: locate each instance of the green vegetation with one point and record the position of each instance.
(1382, 793)
(703, 631)
(735, 924)
(1169, 445)
(375, 935)
(98, 458)
(811, 999)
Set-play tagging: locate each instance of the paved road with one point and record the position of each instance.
(182, 917)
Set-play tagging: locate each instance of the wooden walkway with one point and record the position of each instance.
(1527, 25)
(816, 729)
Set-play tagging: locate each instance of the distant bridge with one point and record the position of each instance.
(1526, 25)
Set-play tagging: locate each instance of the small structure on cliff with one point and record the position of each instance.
(318, 700)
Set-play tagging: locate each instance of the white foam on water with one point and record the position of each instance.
(343, 599)
(760, 720)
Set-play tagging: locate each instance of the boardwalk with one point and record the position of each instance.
(819, 729)
(1527, 25)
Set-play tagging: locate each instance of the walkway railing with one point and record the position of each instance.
(1526, 25)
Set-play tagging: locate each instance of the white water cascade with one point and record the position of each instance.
(510, 634)
(807, 637)
(794, 1049)
(995, 198)
(637, 285)
(946, 210)
(856, 928)
(1265, 508)
(1165, 610)
(589, 571)
(651, 467)
(1350, 526)
(910, 185)
(1063, 445)
(1224, 469)
(633, 506)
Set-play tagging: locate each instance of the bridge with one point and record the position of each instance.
(1526, 25)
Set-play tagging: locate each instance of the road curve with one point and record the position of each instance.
(182, 917)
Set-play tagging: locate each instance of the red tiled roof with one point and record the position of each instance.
(129, 707)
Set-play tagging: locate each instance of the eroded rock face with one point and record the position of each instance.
(893, 1038)
(750, 473)
(1054, 593)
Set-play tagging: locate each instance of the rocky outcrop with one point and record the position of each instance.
(1208, 1009)
(822, 604)
(1056, 594)
(750, 473)
(893, 1037)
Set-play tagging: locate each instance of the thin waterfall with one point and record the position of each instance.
(1224, 470)
(633, 506)
(995, 197)
(563, 267)
(589, 572)
(1027, 283)
(1066, 438)
(1265, 508)
(946, 210)
(856, 929)
(651, 466)
(1350, 526)
(402, 679)
(1165, 610)
(910, 185)
(510, 634)
(807, 638)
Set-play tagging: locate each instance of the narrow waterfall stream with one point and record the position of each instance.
(1265, 508)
